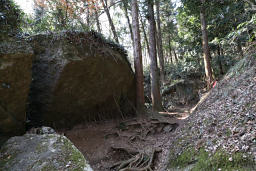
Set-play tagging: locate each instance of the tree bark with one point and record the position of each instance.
(137, 57)
(170, 48)
(219, 60)
(113, 29)
(154, 72)
(88, 22)
(97, 21)
(159, 42)
(206, 50)
(127, 17)
(144, 33)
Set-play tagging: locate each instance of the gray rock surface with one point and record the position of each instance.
(41, 152)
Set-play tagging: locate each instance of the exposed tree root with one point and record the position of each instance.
(133, 132)
(140, 162)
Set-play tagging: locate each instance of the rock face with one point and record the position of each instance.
(15, 78)
(77, 77)
(185, 91)
(41, 152)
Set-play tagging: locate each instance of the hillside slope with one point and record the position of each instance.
(221, 132)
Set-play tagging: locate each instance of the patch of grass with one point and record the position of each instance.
(220, 160)
(48, 167)
(186, 158)
(228, 132)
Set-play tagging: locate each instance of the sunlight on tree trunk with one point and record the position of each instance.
(137, 57)
(159, 42)
(154, 71)
(206, 50)
(97, 21)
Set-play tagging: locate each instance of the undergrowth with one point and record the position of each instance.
(220, 160)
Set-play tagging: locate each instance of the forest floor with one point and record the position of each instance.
(218, 133)
(135, 143)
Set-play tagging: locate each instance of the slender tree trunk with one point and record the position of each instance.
(137, 57)
(175, 56)
(219, 60)
(105, 5)
(206, 50)
(97, 21)
(88, 22)
(127, 18)
(154, 74)
(159, 42)
(144, 33)
(170, 48)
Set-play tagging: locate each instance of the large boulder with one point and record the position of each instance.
(77, 77)
(41, 152)
(15, 78)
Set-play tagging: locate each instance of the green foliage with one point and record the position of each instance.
(188, 68)
(185, 159)
(10, 18)
(202, 160)
(227, 61)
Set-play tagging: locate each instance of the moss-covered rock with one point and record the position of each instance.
(15, 78)
(77, 77)
(41, 152)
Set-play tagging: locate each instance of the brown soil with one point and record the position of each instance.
(117, 144)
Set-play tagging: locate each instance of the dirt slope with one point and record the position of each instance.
(221, 132)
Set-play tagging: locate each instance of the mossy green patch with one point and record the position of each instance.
(228, 132)
(186, 158)
(220, 160)
(48, 168)
(74, 155)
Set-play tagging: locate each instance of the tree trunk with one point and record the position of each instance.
(88, 22)
(97, 21)
(170, 48)
(159, 42)
(175, 56)
(137, 57)
(206, 50)
(144, 33)
(113, 29)
(219, 60)
(127, 18)
(154, 73)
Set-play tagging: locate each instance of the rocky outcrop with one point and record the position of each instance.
(77, 77)
(15, 78)
(182, 92)
(41, 152)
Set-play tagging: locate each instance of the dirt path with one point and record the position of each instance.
(131, 143)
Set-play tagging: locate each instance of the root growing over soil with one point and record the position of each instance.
(142, 161)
